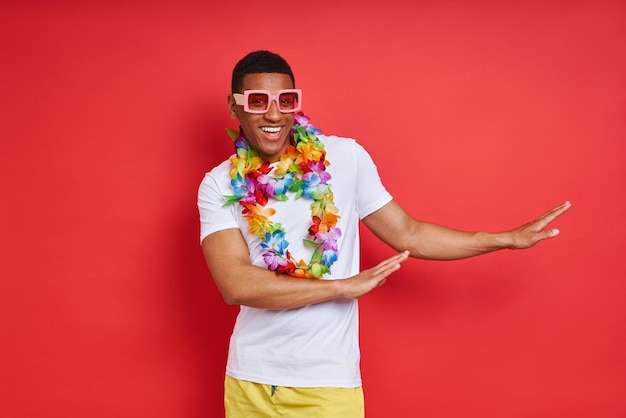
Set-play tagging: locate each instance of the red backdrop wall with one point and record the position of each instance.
(480, 115)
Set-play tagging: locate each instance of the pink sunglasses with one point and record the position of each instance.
(259, 101)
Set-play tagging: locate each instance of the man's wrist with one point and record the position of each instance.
(493, 241)
(339, 288)
(502, 240)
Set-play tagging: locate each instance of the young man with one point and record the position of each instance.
(279, 231)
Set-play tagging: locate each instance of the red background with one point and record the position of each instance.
(480, 115)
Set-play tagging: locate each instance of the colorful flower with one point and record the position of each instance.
(276, 241)
(329, 239)
(303, 120)
(273, 260)
(329, 257)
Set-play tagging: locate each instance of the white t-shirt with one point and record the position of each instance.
(316, 345)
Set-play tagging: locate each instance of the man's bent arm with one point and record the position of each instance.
(242, 283)
(425, 240)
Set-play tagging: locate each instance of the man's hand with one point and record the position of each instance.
(531, 233)
(368, 280)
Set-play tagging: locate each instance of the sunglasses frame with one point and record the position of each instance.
(242, 100)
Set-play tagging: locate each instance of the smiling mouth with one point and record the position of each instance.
(271, 129)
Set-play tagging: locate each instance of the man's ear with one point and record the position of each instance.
(232, 107)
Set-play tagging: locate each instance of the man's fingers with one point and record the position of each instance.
(392, 263)
(547, 218)
(550, 233)
(554, 213)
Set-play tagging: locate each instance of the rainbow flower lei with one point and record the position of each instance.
(301, 170)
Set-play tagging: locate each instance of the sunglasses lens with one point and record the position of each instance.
(258, 101)
(288, 101)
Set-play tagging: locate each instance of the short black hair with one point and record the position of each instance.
(259, 62)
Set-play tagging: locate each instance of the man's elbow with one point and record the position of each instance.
(231, 296)
(231, 299)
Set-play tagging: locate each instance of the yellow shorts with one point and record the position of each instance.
(243, 399)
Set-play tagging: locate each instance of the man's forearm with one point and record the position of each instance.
(435, 242)
(260, 288)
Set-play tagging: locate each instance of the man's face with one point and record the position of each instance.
(268, 133)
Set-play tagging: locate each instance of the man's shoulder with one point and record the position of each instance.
(335, 138)
(343, 146)
(223, 167)
(219, 174)
(334, 143)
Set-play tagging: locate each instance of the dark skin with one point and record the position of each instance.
(241, 283)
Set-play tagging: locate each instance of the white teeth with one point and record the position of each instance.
(271, 129)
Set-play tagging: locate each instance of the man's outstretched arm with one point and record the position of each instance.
(394, 226)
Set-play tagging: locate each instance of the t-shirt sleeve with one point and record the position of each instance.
(371, 195)
(214, 216)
